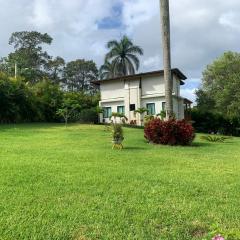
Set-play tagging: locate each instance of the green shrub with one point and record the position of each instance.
(208, 122)
(117, 132)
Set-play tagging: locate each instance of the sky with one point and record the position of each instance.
(200, 30)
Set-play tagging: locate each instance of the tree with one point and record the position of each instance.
(107, 71)
(69, 106)
(49, 98)
(55, 69)
(220, 92)
(164, 9)
(205, 101)
(29, 40)
(17, 102)
(29, 56)
(141, 111)
(123, 55)
(78, 75)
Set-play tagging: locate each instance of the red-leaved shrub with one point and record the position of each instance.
(172, 132)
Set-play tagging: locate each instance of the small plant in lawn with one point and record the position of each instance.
(117, 136)
(68, 109)
(214, 138)
(170, 132)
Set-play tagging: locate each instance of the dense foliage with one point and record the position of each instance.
(171, 132)
(220, 90)
(20, 102)
(78, 74)
(210, 122)
(218, 100)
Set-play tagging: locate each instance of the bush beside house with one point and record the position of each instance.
(172, 132)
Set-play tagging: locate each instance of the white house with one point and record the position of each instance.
(145, 90)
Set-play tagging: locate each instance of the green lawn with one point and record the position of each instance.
(59, 183)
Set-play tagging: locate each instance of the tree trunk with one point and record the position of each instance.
(165, 19)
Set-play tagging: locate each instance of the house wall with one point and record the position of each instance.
(112, 90)
(181, 108)
(114, 106)
(153, 86)
(176, 85)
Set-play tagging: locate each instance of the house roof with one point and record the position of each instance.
(146, 74)
(187, 101)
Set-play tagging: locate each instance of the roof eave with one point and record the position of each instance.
(174, 70)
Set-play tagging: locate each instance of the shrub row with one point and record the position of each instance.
(208, 122)
(20, 102)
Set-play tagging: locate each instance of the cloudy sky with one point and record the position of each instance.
(201, 30)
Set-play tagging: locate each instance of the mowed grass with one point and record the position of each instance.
(59, 183)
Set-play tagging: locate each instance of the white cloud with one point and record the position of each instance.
(189, 94)
(136, 12)
(230, 20)
(152, 63)
(41, 16)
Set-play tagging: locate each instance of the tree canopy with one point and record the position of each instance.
(78, 75)
(220, 90)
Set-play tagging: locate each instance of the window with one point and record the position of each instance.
(121, 109)
(107, 112)
(132, 107)
(151, 108)
(164, 106)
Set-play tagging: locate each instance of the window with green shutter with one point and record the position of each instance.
(151, 108)
(121, 109)
(107, 112)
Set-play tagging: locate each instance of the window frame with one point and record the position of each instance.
(163, 106)
(106, 113)
(154, 108)
(121, 107)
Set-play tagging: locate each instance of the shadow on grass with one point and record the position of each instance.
(134, 148)
(201, 144)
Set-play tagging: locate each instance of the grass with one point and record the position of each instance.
(59, 183)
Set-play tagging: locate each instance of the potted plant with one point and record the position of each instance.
(117, 136)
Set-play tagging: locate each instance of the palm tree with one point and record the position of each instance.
(107, 71)
(164, 9)
(124, 56)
